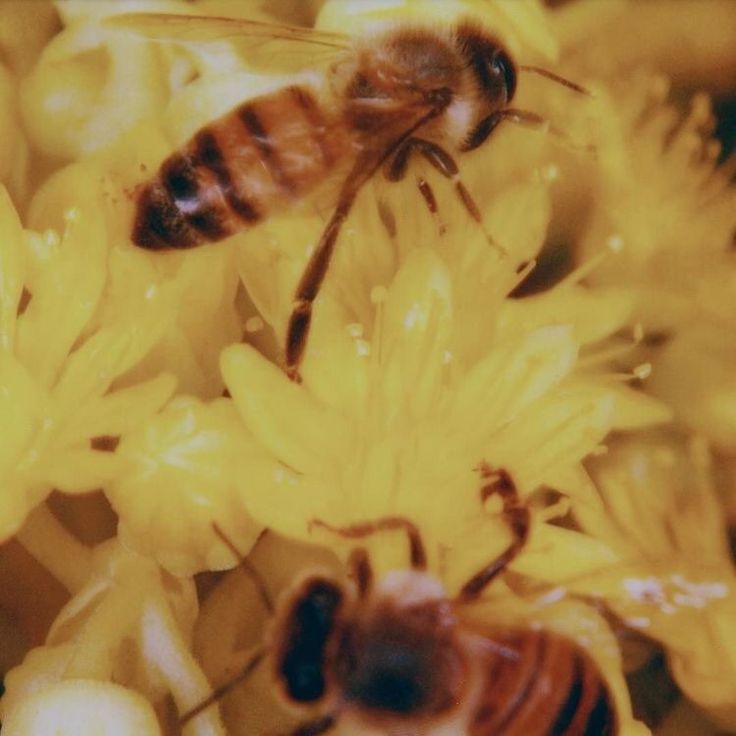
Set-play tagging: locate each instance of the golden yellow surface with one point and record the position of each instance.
(593, 358)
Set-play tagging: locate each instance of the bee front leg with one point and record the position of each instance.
(486, 126)
(521, 117)
(515, 512)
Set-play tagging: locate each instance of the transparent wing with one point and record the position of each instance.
(202, 28)
(270, 44)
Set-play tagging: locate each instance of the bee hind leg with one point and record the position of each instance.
(316, 270)
(311, 281)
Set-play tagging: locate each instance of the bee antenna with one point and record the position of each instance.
(417, 552)
(556, 78)
(248, 567)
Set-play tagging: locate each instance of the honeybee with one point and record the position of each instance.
(398, 657)
(402, 91)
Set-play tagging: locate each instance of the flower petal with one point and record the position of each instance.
(184, 471)
(300, 431)
(55, 317)
(82, 708)
(11, 268)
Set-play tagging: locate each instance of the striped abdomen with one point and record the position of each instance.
(551, 688)
(235, 171)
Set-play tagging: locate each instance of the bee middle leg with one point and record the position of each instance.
(398, 165)
(516, 513)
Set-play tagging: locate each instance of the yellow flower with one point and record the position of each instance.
(401, 407)
(183, 472)
(673, 213)
(13, 149)
(130, 623)
(56, 374)
(24, 29)
(437, 343)
(675, 581)
(147, 321)
(391, 421)
(88, 86)
(82, 708)
(616, 39)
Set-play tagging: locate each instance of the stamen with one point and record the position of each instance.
(637, 373)
(607, 355)
(585, 269)
(521, 275)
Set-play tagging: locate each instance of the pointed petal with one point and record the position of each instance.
(299, 430)
(512, 377)
(64, 297)
(11, 269)
(415, 331)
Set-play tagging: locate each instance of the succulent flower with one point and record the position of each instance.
(576, 336)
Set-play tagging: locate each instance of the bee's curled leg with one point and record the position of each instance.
(498, 482)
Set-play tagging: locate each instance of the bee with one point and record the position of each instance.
(396, 656)
(399, 92)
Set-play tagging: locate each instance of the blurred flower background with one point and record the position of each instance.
(141, 398)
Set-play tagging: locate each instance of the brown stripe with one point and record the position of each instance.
(317, 124)
(159, 221)
(602, 720)
(208, 155)
(179, 175)
(180, 178)
(569, 709)
(249, 117)
(527, 682)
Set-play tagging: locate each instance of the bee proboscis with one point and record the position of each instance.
(398, 656)
(384, 97)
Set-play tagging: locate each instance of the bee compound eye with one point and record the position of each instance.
(304, 636)
(493, 66)
(503, 69)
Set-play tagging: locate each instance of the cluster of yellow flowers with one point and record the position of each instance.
(141, 398)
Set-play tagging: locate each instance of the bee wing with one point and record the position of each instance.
(260, 42)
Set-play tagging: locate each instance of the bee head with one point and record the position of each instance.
(489, 84)
(491, 65)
